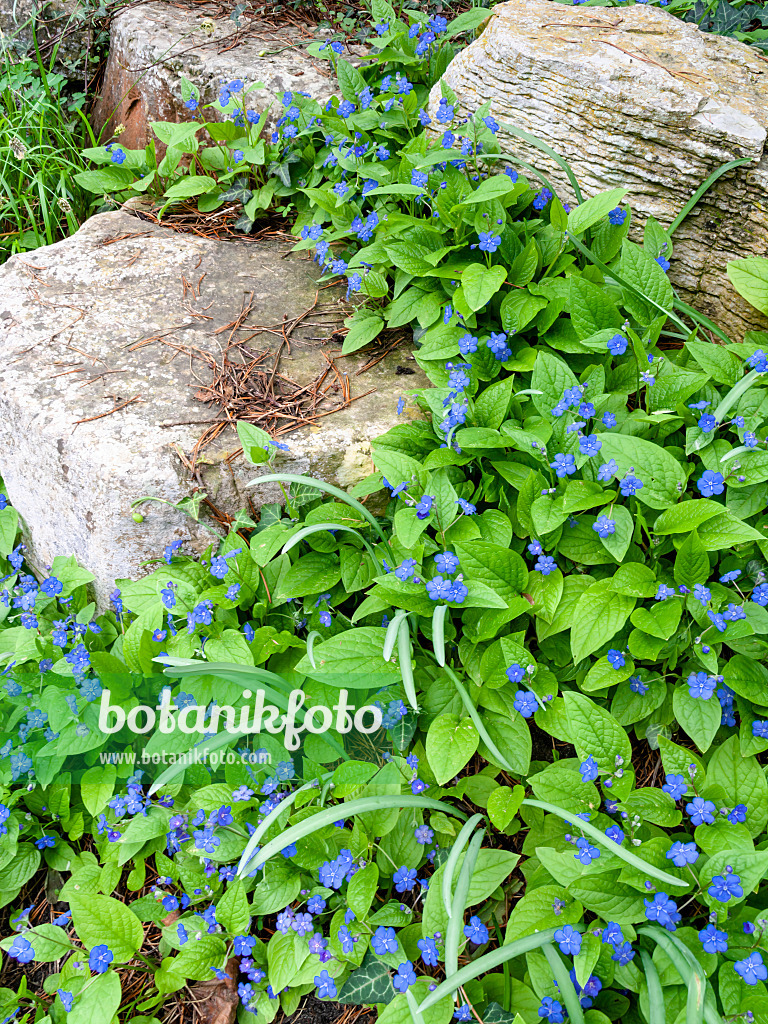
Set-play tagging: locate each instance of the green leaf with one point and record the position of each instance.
(361, 890)
(742, 780)
(98, 1002)
(551, 377)
(503, 805)
(191, 185)
(310, 574)
(595, 732)
(597, 617)
(698, 717)
(642, 271)
(617, 543)
(662, 475)
(363, 328)
(451, 742)
(101, 919)
(353, 659)
(691, 562)
(9, 525)
(232, 909)
(686, 516)
(479, 284)
(750, 278)
(497, 567)
(593, 210)
(370, 983)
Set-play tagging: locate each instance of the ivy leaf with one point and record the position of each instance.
(370, 983)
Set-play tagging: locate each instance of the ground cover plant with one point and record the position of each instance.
(559, 611)
(42, 134)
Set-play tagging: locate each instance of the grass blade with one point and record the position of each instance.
(275, 813)
(698, 1007)
(311, 646)
(561, 162)
(308, 481)
(594, 833)
(701, 190)
(565, 986)
(656, 1008)
(488, 962)
(404, 654)
(735, 394)
(453, 859)
(307, 531)
(390, 637)
(473, 714)
(335, 813)
(438, 633)
(222, 739)
(454, 930)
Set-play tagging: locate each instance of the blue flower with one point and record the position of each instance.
(682, 853)
(525, 703)
(542, 198)
(326, 986)
(404, 879)
(589, 769)
(551, 1010)
(568, 940)
(476, 931)
(586, 853)
(405, 977)
(563, 465)
(617, 216)
(607, 471)
(615, 833)
(488, 241)
(700, 811)
(545, 564)
(424, 506)
(617, 345)
(446, 562)
(609, 420)
(590, 445)
(710, 483)
(676, 786)
(701, 685)
(22, 950)
(630, 485)
(100, 958)
(662, 909)
(712, 940)
(616, 659)
(726, 886)
(751, 969)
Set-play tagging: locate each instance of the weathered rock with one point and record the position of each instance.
(154, 45)
(71, 316)
(635, 97)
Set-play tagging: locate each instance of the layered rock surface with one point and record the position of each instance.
(155, 45)
(121, 316)
(634, 97)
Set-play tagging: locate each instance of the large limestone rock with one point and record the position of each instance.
(72, 316)
(154, 45)
(632, 96)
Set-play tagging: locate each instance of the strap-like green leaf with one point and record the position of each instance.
(565, 985)
(438, 633)
(626, 855)
(456, 923)
(331, 814)
(453, 859)
(656, 1008)
(473, 714)
(488, 962)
